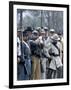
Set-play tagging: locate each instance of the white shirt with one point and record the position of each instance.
(18, 47)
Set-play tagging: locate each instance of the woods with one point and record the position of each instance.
(40, 18)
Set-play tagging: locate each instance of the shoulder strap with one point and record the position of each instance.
(57, 48)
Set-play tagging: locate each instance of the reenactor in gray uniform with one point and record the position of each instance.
(61, 46)
(55, 62)
(43, 39)
(46, 42)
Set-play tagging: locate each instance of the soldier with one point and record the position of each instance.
(45, 39)
(55, 63)
(61, 46)
(25, 62)
(45, 50)
(18, 45)
(35, 52)
(18, 52)
(43, 59)
(29, 32)
(42, 40)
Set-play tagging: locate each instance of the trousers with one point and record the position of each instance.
(35, 68)
(43, 74)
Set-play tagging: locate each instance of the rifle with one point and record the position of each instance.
(46, 56)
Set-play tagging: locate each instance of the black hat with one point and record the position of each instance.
(29, 29)
(24, 34)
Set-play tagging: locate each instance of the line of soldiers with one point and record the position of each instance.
(39, 54)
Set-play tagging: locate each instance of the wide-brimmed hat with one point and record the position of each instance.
(35, 32)
(52, 30)
(42, 31)
(38, 28)
(55, 37)
(46, 28)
